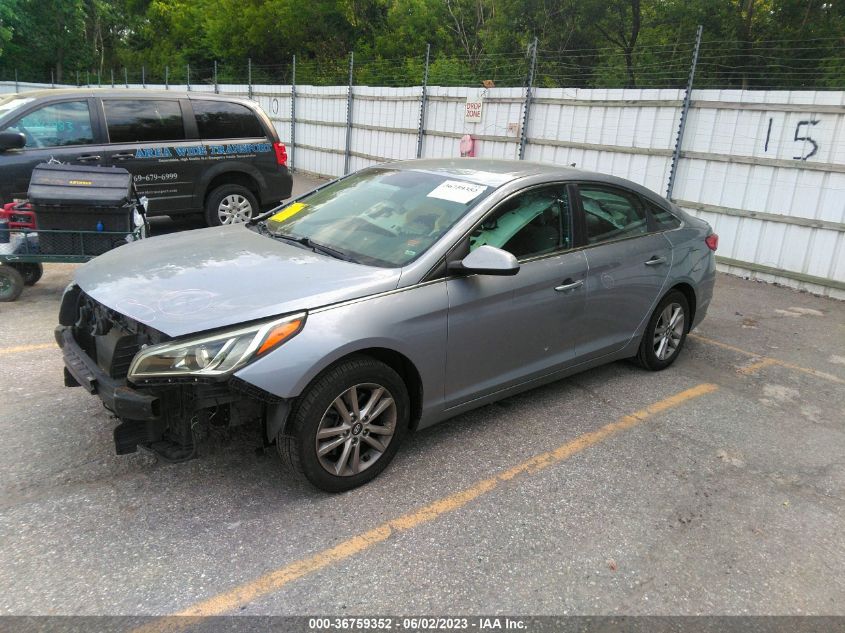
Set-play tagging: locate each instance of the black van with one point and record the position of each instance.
(188, 152)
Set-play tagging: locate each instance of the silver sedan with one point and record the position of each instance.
(380, 303)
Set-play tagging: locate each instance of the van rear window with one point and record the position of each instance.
(143, 120)
(223, 120)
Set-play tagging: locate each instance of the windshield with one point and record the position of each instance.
(12, 103)
(379, 216)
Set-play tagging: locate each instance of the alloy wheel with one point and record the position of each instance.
(668, 331)
(234, 209)
(356, 429)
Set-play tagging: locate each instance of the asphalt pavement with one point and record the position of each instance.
(714, 487)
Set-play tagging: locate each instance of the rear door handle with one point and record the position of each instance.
(569, 285)
(123, 156)
(656, 261)
(89, 158)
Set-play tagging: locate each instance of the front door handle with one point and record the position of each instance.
(656, 261)
(569, 285)
(89, 158)
(123, 156)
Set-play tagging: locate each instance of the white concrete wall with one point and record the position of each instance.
(777, 203)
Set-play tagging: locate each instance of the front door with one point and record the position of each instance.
(60, 130)
(503, 331)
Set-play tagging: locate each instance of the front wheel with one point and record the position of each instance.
(665, 333)
(31, 272)
(347, 426)
(230, 204)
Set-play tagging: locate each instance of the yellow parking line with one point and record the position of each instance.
(753, 368)
(276, 579)
(768, 360)
(25, 348)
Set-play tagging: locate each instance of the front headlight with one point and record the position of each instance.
(216, 354)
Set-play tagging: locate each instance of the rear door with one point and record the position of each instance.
(149, 138)
(503, 331)
(628, 266)
(62, 130)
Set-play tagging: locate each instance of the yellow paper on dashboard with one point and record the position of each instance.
(288, 212)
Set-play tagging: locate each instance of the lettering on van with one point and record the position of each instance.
(194, 151)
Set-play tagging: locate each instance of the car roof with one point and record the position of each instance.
(118, 92)
(497, 172)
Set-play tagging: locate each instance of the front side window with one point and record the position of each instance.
(528, 225)
(56, 125)
(379, 216)
(222, 120)
(143, 120)
(610, 214)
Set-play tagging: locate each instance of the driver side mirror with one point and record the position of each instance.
(11, 140)
(486, 260)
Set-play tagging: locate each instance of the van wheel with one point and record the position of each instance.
(230, 204)
(11, 283)
(347, 425)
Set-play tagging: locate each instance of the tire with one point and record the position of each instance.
(11, 283)
(318, 410)
(656, 349)
(230, 204)
(31, 272)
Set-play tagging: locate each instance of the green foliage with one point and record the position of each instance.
(586, 43)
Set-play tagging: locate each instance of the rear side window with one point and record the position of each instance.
(611, 215)
(56, 125)
(143, 120)
(663, 219)
(221, 119)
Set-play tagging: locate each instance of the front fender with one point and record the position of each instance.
(410, 321)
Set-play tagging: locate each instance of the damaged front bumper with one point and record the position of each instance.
(168, 418)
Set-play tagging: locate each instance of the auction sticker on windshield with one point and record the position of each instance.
(457, 191)
(288, 212)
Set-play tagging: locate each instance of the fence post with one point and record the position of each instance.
(143, 76)
(77, 78)
(17, 87)
(529, 90)
(348, 115)
(249, 77)
(52, 79)
(216, 87)
(423, 99)
(676, 154)
(99, 78)
(167, 77)
(112, 77)
(125, 77)
(293, 115)
(188, 77)
(87, 78)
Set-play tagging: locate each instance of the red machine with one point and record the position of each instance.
(19, 215)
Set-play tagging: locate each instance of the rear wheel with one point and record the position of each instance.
(665, 333)
(31, 272)
(347, 426)
(11, 283)
(230, 204)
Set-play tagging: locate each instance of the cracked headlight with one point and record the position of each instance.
(216, 354)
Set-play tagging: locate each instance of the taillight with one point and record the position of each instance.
(281, 153)
(712, 241)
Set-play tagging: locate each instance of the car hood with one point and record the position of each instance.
(210, 278)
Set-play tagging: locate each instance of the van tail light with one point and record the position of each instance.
(281, 153)
(712, 241)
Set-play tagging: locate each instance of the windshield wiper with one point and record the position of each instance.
(314, 246)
